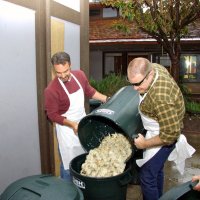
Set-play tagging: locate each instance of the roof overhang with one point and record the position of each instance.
(149, 40)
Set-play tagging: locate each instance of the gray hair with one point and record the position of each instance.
(60, 58)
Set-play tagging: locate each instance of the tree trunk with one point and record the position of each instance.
(175, 55)
(175, 68)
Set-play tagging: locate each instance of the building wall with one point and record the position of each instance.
(96, 65)
(19, 129)
(27, 145)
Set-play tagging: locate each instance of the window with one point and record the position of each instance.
(164, 60)
(95, 13)
(190, 68)
(112, 63)
(109, 12)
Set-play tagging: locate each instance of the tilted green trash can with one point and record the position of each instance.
(93, 103)
(119, 114)
(41, 187)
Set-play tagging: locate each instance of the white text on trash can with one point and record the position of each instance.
(106, 111)
(79, 183)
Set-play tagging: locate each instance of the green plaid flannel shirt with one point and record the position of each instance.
(164, 103)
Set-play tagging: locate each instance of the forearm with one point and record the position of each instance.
(101, 97)
(71, 124)
(143, 143)
(153, 142)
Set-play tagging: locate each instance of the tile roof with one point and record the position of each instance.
(103, 29)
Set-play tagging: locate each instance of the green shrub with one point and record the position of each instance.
(192, 107)
(110, 84)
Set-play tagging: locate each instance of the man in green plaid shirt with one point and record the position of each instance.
(162, 110)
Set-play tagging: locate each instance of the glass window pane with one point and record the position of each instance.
(109, 12)
(189, 67)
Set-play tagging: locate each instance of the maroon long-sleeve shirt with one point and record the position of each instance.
(56, 99)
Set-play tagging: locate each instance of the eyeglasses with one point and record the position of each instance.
(139, 83)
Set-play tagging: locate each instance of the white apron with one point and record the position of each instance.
(152, 128)
(182, 149)
(69, 144)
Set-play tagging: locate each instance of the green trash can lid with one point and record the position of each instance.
(42, 187)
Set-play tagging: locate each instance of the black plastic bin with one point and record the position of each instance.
(41, 187)
(111, 188)
(119, 114)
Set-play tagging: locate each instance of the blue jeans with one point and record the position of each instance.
(65, 174)
(152, 176)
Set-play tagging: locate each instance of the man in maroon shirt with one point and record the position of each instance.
(64, 105)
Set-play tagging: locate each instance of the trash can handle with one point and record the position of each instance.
(125, 180)
(178, 191)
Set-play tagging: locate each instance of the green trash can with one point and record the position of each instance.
(119, 114)
(182, 192)
(93, 103)
(41, 187)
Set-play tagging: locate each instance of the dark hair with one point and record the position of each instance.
(60, 58)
